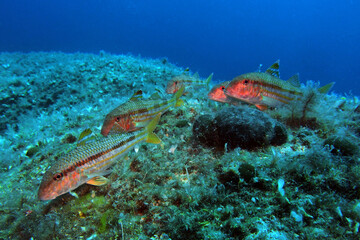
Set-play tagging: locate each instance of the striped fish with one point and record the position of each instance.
(89, 162)
(187, 81)
(136, 113)
(264, 89)
(217, 94)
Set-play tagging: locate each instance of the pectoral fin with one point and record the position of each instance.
(85, 137)
(152, 138)
(261, 107)
(98, 181)
(179, 103)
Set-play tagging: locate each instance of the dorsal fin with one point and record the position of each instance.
(196, 75)
(84, 137)
(325, 89)
(208, 80)
(136, 96)
(274, 70)
(155, 96)
(294, 80)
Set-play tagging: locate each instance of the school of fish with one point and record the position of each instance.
(134, 121)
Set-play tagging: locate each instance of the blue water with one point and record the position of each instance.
(319, 39)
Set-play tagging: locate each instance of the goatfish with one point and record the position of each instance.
(187, 81)
(90, 161)
(267, 89)
(217, 94)
(136, 113)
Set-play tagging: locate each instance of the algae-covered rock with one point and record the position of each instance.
(69, 138)
(32, 151)
(203, 129)
(230, 179)
(342, 145)
(243, 127)
(247, 172)
(182, 123)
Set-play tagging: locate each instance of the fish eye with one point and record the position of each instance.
(117, 119)
(176, 82)
(58, 176)
(246, 81)
(222, 88)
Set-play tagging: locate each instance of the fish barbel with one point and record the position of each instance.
(136, 113)
(89, 162)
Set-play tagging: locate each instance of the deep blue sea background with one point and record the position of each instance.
(319, 39)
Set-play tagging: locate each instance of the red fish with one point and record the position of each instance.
(264, 89)
(90, 161)
(267, 89)
(217, 92)
(136, 113)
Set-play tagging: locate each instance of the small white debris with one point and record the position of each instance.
(296, 216)
(136, 148)
(6, 66)
(172, 148)
(338, 211)
(281, 184)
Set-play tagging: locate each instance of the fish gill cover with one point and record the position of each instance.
(223, 170)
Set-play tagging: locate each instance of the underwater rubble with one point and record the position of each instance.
(298, 178)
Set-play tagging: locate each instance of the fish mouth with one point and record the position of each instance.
(210, 96)
(107, 125)
(44, 195)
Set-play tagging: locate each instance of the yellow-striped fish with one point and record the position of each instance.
(267, 89)
(136, 113)
(217, 94)
(185, 80)
(89, 162)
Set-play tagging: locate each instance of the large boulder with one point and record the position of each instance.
(243, 127)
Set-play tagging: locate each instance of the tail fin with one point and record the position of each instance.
(151, 137)
(325, 89)
(177, 96)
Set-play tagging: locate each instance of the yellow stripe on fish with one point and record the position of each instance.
(136, 113)
(89, 162)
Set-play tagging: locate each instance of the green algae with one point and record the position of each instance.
(103, 222)
(88, 204)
